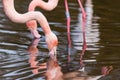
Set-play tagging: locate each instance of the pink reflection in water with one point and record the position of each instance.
(53, 70)
(33, 51)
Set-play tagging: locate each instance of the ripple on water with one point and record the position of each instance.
(102, 36)
(8, 32)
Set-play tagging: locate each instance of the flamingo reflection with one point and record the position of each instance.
(51, 67)
(81, 75)
(33, 52)
(53, 70)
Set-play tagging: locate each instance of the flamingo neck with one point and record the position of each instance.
(9, 9)
(50, 5)
(23, 18)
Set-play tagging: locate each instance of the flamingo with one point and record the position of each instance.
(13, 15)
(48, 6)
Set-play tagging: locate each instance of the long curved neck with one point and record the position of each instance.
(9, 9)
(50, 5)
(23, 18)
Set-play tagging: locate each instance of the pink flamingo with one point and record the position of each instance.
(13, 15)
(50, 5)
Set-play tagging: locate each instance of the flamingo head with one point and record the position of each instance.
(32, 26)
(52, 42)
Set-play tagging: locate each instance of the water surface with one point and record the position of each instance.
(100, 61)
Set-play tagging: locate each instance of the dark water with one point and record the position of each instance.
(101, 60)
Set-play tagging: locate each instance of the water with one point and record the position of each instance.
(101, 60)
